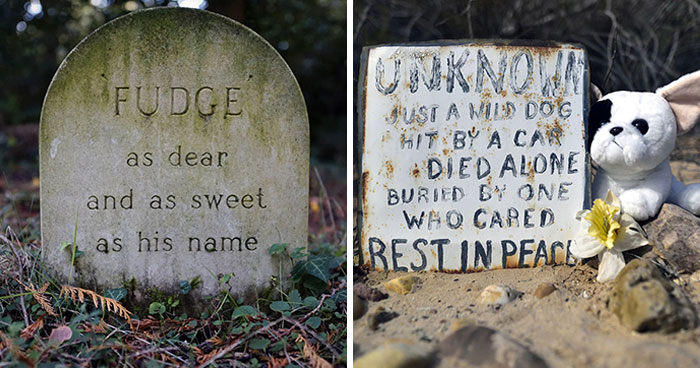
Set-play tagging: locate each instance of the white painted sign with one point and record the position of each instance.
(473, 155)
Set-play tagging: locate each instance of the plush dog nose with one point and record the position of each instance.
(616, 130)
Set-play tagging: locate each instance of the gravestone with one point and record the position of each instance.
(174, 144)
(473, 154)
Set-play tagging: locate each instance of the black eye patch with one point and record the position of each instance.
(599, 116)
(641, 125)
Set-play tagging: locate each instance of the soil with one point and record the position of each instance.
(571, 327)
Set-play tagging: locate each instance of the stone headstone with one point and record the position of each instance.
(473, 154)
(174, 144)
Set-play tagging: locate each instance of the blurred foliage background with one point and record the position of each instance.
(35, 36)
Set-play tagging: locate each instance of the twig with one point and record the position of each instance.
(21, 272)
(313, 334)
(227, 349)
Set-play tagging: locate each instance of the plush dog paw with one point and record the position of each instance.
(640, 205)
(690, 199)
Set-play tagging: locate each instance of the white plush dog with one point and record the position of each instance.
(633, 134)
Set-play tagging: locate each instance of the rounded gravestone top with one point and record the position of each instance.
(174, 143)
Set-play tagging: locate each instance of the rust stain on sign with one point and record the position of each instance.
(468, 159)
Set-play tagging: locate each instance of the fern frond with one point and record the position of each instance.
(40, 297)
(98, 300)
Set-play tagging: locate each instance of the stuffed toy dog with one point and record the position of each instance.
(631, 135)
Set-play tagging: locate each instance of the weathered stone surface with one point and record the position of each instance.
(394, 356)
(402, 285)
(497, 294)
(477, 346)
(544, 289)
(359, 307)
(196, 131)
(368, 293)
(644, 300)
(675, 233)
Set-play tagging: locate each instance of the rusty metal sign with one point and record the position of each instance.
(473, 154)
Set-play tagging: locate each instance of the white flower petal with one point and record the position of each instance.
(630, 240)
(585, 247)
(612, 199)
(611, 263)
(632, 235)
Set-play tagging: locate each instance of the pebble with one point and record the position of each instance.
(497, 294)
(460, 323)
(544, 289)
(402, 285)
(359, 307)
(644, 300)
(395, 356)
(368, 293)
(379, 316)
(478, 346)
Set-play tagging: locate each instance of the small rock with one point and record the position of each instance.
(687, 172)
(586, 294)
(368, 293)
(379, 316)
(544, 289)
(644, 300)
(460, 323)
(497, 294)
(402, 285)
(477, 346)
(359, 307)
(675, 233)
(394, 356)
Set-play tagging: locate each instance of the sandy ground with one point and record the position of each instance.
(568, 328)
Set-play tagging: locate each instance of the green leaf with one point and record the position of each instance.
(117, 294)
(277, 346)
(280, 306)
(313, 322)
(315, 265)
(65, 245)
(341, 296)
(237, 330)
(294, 297)
(259, 344)
(218, 322)
(310, 302)
(244, 310)
(299, 252)
(185, 287)
(224, 279)
(276, 249)
(156, 307)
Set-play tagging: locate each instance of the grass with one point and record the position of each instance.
(44, 322)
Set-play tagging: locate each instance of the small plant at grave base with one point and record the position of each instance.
(45, 322)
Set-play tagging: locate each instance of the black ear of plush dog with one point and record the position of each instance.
(599, 116)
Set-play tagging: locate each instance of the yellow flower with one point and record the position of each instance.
(607, 232)
(603, 224)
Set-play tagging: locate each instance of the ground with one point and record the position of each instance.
(571, 327)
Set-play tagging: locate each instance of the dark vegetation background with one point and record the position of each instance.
(632, 44)
(309, 34)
